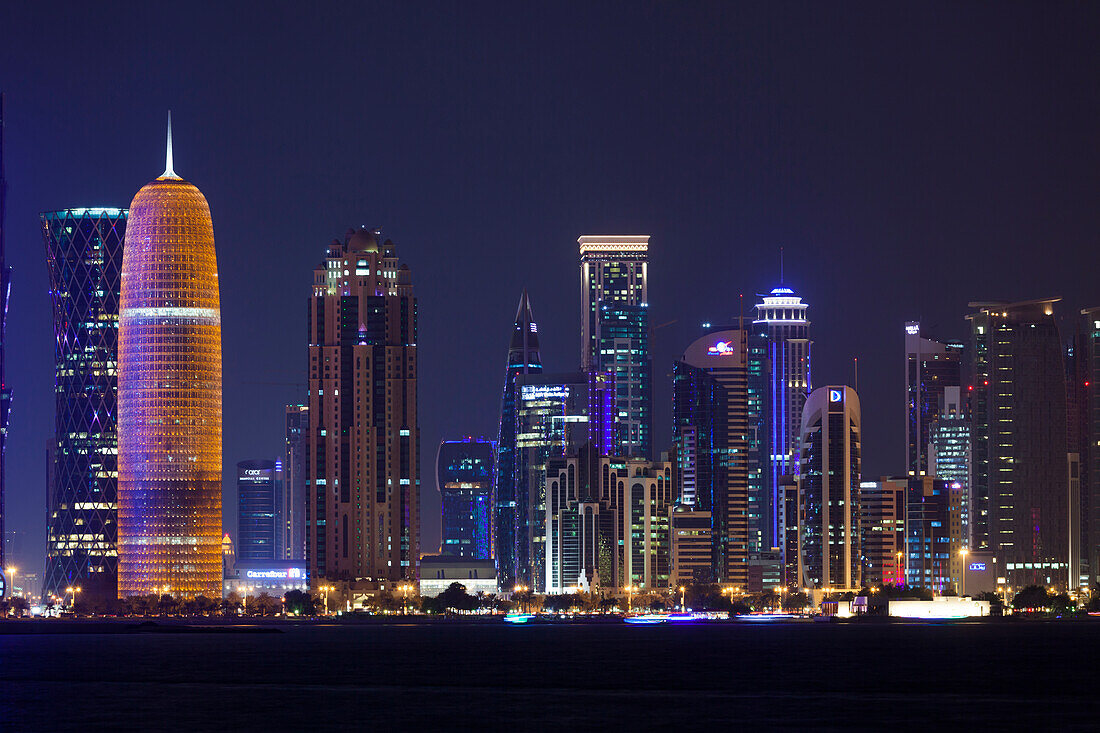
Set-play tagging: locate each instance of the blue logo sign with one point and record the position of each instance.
(977, 566)
(836, 395)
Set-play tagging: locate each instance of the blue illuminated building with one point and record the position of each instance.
(523, 359)
(256, 511)
(465, 473)
(84, 262)
(782, 325)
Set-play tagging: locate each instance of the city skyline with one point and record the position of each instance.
(855, 314)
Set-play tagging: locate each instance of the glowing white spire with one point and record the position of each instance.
(168, 172)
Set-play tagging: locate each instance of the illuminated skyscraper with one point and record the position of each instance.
(363, 511)
(257, 510)
(292, 523)
(930, 368)
(1084, 391)
(615, 331)
(949, 446)
(523, 359)
(84, 261)
(1021, 465)
(829, 489)
(781, 319)
(169, 395)
(465, 475)
(711, 443)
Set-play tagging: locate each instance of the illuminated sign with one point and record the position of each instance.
(977, 566)
(912, 328)
(544, 391)
(722, 348)
(836, 395)
(288, 574)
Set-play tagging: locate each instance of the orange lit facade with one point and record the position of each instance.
(170, 396)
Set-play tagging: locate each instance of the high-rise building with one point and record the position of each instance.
(523, 359)
(1090, 459)
(882, 526)
(781, 321)
(931, 367)
(292, 542)
(615, 331)
(933, 535)
(84, 261)
(1082, 380)
(363, 512)
(556, 415)
(711, 442)
(1020, 485)
(829, 489)
(5, 291)
(169, 394)
(607, 522)
(949, 451)
(257, 511)
(465, 474)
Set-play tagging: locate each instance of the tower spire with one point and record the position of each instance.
(170, 150)
(168, 171)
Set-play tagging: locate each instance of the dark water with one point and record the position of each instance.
(801, 676)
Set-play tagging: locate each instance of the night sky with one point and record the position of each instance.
(907, 160)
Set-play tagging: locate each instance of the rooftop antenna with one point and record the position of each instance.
(741, 312)
(168, 170)
(781, 266)
(855, 362)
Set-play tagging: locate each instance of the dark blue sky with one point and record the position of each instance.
(909, 160)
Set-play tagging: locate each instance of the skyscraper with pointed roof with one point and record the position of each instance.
(169, 394)
(523, 359)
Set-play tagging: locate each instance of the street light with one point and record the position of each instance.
(11, 576)
(683, 606)
(630, 597)
(405, 588)
(72, 591)
(521, 589)
(901, 571)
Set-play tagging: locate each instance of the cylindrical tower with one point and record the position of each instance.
(169, 395)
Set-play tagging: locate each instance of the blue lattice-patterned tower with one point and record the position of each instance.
(84, 260)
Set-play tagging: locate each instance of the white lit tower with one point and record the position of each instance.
(781, 320)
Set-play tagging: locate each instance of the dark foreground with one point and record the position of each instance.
(804, 676)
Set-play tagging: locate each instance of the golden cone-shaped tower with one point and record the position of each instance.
(169, 395)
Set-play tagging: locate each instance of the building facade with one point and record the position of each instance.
(84, 262)
(882, 529)
(607, 523)
(615, 331)
(690, 530)
(781, 320)
(1084, 382)
(363, 512)
(931, 367)
(1019, 502)
(523, 360)
(711, 411)
(556, 415)
(933, 535)
(466, 479)
(949, 450)
(169, 394)
(292, 522)
(831, 548)
(257, 511)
